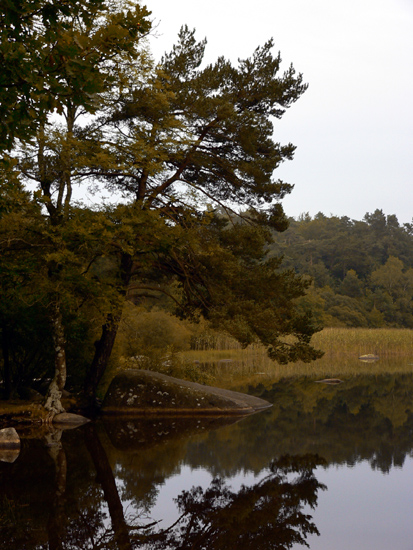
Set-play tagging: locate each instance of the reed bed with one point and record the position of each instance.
(342, 348)
(384, 342)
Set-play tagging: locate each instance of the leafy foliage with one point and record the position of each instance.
(46, 59)
(361, 270)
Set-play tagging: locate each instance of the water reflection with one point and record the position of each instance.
(364, 418)
(77, 503)
(268, 514)
(96, 486)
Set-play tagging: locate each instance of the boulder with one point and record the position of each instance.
(9, 439)
(146, 392)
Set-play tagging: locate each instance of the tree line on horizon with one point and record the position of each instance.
(361, 270)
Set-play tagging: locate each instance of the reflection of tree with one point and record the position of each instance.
(65, 496)
(267, 515)
(110, 490)
(155, 450)
(88, 531)
(55, 525)
(366, 418)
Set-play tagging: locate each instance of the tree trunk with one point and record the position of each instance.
(104, 346)
(53, 402)
(103, 350)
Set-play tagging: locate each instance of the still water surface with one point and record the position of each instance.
(330, 466)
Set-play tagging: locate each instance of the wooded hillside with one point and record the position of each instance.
(362, 271)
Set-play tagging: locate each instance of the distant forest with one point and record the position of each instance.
(361, 271)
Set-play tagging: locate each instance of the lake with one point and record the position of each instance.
(327, 465)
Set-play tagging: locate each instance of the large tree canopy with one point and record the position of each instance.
(187, 130)
(182, 147)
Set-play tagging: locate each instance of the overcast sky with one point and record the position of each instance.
(353, 127)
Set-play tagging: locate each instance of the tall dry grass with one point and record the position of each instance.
(342, 348)
(384, 342)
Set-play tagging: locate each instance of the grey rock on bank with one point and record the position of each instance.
(146, 392)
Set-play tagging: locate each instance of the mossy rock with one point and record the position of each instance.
(146, 392)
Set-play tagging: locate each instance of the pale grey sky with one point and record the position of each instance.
(353, 127)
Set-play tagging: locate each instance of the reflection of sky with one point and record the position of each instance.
(364, 509)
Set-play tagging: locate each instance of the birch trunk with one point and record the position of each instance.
(53, 402)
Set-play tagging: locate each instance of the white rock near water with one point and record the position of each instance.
(9, 439)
